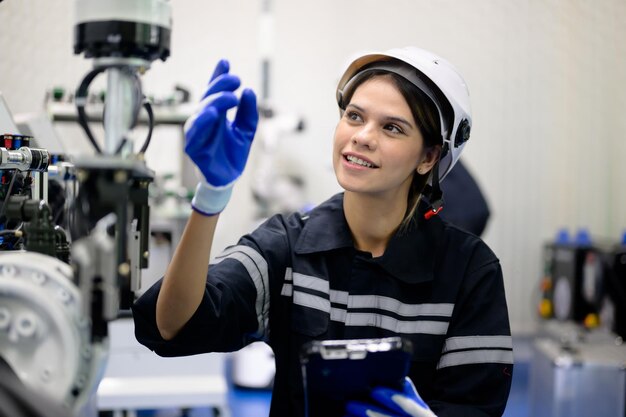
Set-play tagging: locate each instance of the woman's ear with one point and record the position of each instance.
(430, 157)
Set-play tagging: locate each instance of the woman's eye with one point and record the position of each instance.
(353, 116)
(393, 128)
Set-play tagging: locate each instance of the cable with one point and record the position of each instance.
(81, 99)
(148, 107)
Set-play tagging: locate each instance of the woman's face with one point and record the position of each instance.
(378, 145)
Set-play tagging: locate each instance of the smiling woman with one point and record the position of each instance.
(372, 262)
(379, 126)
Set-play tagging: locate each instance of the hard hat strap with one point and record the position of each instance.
(435, 194)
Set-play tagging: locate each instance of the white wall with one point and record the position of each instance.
(547, 80)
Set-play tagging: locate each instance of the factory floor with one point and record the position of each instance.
(256, 403)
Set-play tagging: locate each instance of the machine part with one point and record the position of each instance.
(124, 37)
(614, 303)
(563, 272)
(592, 278)
(44, 335)
(122, 104)
(135, 256)
(61, 244)
(141, 28)
(562, 298)
(62, 186)
(40, 233)
(96, 274)
(586, 284)
(567, 271)
(25, 159)
(113, 185)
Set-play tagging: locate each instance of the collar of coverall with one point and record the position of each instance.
(410, 255)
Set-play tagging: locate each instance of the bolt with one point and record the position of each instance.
(120, 176)
(123, 269)
(64, 296)
(38, 278)
(8, 270)
(26, 325)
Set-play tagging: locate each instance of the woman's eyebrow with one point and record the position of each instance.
(359, 108)
(400, 120)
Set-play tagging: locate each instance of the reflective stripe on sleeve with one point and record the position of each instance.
(477, 342)
(257, 269)
(468, 357)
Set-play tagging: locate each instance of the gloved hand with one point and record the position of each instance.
(392, 403)
(217, 146)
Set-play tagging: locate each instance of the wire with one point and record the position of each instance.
(148, 107)
(81, 99)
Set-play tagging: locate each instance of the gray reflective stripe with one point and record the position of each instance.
(335, 296)
(287, 290)
(473, 342)
(395, 306)
(257, 269)
(475, 356)
(372, 301)
(307, 281)
(367, 319)
(338, 314)
(399, 326)
(339, 297)
(380, 320)
(311, 301)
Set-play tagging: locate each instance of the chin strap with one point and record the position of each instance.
(435, 195)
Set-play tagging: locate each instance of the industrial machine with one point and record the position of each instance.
(61, 286)
(584, 282)
(579, 359)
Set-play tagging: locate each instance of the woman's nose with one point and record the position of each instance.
(364, 136)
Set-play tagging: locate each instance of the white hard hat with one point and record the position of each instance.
(438, 80)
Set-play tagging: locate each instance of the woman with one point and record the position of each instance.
(374, 261)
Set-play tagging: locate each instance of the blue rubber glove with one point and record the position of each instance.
(220, 147)
(392, 403)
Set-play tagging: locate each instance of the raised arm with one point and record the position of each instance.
(219, 148)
